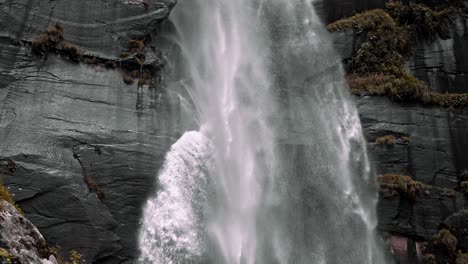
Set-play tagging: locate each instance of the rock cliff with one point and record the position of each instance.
(79, 147)
(426, 143)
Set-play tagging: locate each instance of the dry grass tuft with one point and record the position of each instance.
(403, 184)
(136, 46)
(48, 39)
(377, 67)
(388, 140)
(72, 51)
(6, 196)
(446, 241)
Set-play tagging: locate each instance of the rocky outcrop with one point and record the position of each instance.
(20, 241)
(63, 122)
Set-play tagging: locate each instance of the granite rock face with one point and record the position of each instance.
(61, 121)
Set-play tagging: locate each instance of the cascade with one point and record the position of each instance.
(278, 172)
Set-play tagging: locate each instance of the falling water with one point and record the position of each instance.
(278, 172)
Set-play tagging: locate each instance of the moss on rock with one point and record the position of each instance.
(377, 67)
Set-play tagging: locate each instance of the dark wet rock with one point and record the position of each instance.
(62, 121)
(434, 156)
(52, 115)
(443, 62)
(102, 28)
(332, 10)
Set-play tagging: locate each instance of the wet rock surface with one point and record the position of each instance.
(434, 156)
(62, 121)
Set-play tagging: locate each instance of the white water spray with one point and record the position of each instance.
(285, 175)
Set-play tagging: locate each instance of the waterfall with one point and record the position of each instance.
(278, 172)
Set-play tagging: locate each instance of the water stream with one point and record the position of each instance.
(278, 172)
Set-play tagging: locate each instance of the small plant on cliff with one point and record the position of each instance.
(388, 140)
(462, 258)
(136, 46)
(72, 51)
(464, 186)
(425, 22)
(464, 175)
(445, 241)
(94, 186)
(6, 256)
(6, 196)
(73, 258)
(48, 39)
(377, 67)
(405, 185)
(405, 139)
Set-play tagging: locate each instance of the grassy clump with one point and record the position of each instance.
(47, 39)
(136, 70)
(464, 175)
(6, 196)
(94, 186)
(72, 51)
(403, 184)
(136, 46)
(388, 140)
(462, 258)
(405, 139)
(464, 186)
(384, 44)
(445, 241)
(377, 67)
(424, 22)
(74, 257)
(6, 256)
(429, 259)
(403, 88)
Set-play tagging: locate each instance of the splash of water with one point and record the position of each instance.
(178, 206)
(288, 177)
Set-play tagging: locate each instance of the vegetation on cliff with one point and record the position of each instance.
(393, 184)
(378, 66)
(131, 62)
(6, 196)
